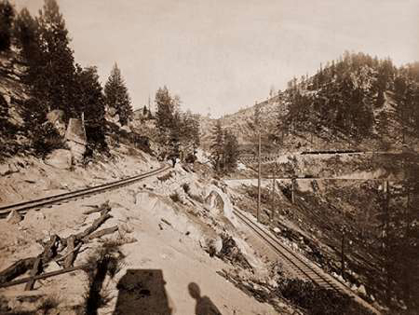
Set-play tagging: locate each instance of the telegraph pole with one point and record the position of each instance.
(273, 195)
(386, 190)
(259, 176)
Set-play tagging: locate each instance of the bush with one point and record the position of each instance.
(186, 188)
(46, 139)
(190, 158)
(166, 177)
(175, 197)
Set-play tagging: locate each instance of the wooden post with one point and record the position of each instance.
(273, 196)
(259, 176)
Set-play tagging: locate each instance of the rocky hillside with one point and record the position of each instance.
(357, 102)
(12, 93)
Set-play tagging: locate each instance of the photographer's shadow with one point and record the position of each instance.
(204, 305)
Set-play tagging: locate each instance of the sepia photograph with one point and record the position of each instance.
(208, 157)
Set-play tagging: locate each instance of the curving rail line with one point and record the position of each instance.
(298, 265)
(23, 207)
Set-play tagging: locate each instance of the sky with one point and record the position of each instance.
(223, 55)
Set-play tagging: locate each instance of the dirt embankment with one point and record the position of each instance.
(173, 234)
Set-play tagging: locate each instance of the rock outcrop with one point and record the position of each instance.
(76, 139)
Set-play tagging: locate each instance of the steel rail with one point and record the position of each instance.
(302, 268)
(293, 260)
(23, 207)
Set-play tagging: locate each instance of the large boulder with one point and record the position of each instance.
(60, 158)
(219, 203)
(211, 244)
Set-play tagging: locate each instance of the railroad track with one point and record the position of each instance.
(23, 207)
(298, 265)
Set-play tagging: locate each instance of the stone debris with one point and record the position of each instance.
(231, 252)
(212, 245)
(14, 217)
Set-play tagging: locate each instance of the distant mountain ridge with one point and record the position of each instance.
(355, 103)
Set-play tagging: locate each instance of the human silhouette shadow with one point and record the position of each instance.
(204, 305)
(141, 291)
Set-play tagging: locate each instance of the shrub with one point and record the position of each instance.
(175, 197)
(166, 177)
(186, 188)
(46, 139)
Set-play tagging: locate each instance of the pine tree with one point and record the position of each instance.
(7, 14)
(189, 129)
(4, 115)
(92, 104)
(117, 97)
(165, 113)
(55, 81)
(195, 131)
(26, 33)
(231, 148)
(217, 147)
(175, 133)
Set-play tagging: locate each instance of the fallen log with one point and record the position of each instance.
(43, 276)
(50, 251)
(95, 225)
(51, 248)
(35, 270)
(24, 265)
(18, 268)
(71, 253)
(100, 233)
(104, 206)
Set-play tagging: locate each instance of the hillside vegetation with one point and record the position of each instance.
(356, 102)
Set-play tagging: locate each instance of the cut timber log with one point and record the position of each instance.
(102, 207)
(73, 242)
(95, 225)
(100, 233)
(35, 270)
(79, 237)
(18, 268)
(50, 251)
(44, 276)
(71, 253)
(22, 266)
